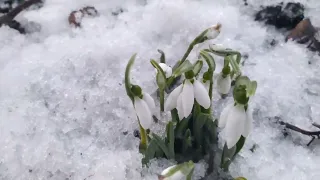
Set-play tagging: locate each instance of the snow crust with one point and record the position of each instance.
(64, 113)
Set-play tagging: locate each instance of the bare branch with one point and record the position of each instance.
(6, 19)
(313, 134)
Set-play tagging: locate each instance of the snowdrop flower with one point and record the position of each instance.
(236, 121)
(223, 84)
(144, 109)
(182, 98)
(171, 174)
(213, 32)
(177, 172)
(166, 69)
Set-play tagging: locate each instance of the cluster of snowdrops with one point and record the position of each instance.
(191, 133)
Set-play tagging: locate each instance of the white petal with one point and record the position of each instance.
(171, 101)
(180, 107)
(187, 98)
(143, 112)
(248, 124)
(150, 102)
(235, 125)
(166, 171)
(207, 85)
(176, 176)
(166, 69)
(223, 84)
(213, 32)
(201, 94)
(224, 115)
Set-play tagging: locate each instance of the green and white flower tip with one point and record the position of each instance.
(217, 47)
(144, 109)
(182, 97)
(177, 172)
(236, 121)
(166, 69)
(223, 84)
(213, 31)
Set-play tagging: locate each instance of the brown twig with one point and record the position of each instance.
(7, 19)
(312, 134)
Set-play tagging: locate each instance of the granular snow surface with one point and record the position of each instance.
(64, 113)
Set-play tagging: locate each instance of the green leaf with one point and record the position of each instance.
(161, 76)
(127, 77)
(239, 145)
(170, 137)
(187, 141)
(251, 89)
(162, 145)
(240, 178)
(197, 127)
(197, 67)
(163, 56)
(227, 156)
(209, 59)
(234, 64)
(184, 67)
(150, 152)
(243, 80)
(240, 94)
(182, 127)
(174, 115)
(221, 51)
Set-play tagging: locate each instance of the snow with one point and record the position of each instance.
(64, 112)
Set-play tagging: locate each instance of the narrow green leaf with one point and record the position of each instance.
(150, 152)
(161, 76)
(197, 127)
(174, 115)
(234, 64)
(209, 59)
(187, 141)
(227, 156)
(221, 51)
(127, 76)
(197, 67)
(184, 67)
(182, 127)
(240, 178)
(239, 145)
(170, 137)
(163, 56)
(162, 145)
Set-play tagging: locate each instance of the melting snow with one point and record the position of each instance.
(64, 113)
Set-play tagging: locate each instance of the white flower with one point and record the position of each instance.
(223, 84)
(213, 32)
(166, 69)
(167, 174)
(144, 109)
(236, 121)
(182, 98)
(177, 172)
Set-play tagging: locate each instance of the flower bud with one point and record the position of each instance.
(177, 172)
(213, 31)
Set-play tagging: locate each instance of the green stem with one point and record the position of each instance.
(211, 87)
(161, 100)
(186, 54)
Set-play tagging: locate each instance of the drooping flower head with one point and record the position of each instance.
(144, 106)
(182, 98)
(236, 121)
